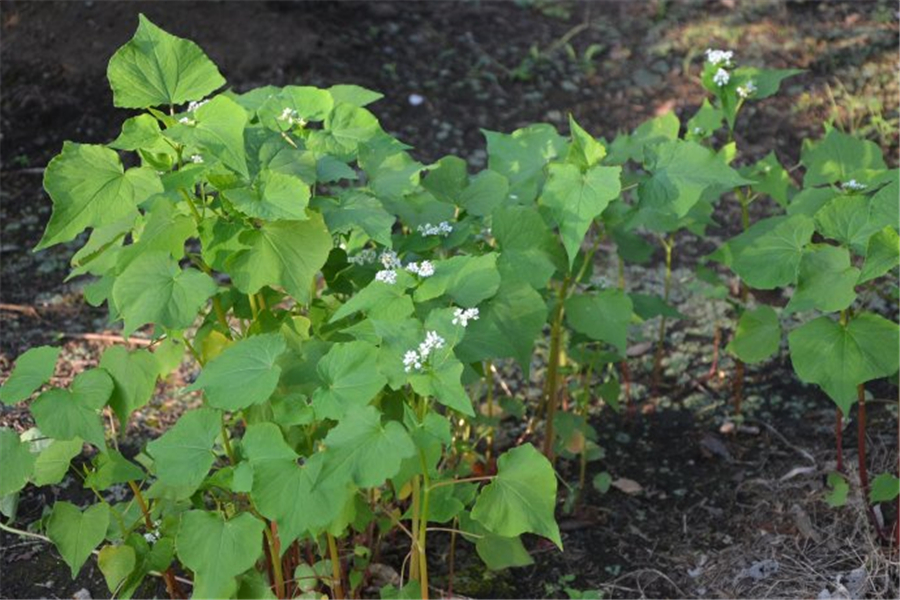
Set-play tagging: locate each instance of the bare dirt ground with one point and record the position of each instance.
(717, 514)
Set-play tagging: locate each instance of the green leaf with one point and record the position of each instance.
(64, 415)
(705, 122)
(209, 545)
(826, 280)
(183, 455)
(770, 178)
(507, 327)
(111, 468)
(354, 94)
(521, 498)
(882, 254)
(350, 379)
(310, 103)
(90, 188)
(77, 533)
(884, 210)
(885, 488)
(466, 279)
(681, 173)
(355, 209)
(447, 178)
(116, 563)
(219, 132)
(52, 463)
(154, 289)
(363, 450)
(245, 373)
(528, 248)
(649, 306)
(141, 132)
(486, 191)
(838, 358)
(18, 462)
(33, 369)
(286, 254)
(521, 157)
(348, 126)
(837, 497)
(575, 199)
(846, 220)
(273, 196)
(443, 383)
(391, 174)
(156, 68)
(602, 481)
(294, 496)
(134, 376)
(655, 131)
(604, 316)
(585, 151)
(768, 254)
(500, 552)
(838, 157)
(758, 335)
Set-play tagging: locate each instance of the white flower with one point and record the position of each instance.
(192, 105)
(745, 91)
(386, 276)
(426, 269)
(291, 117)
(718, 57)
(365, 257)
(698, 130)
(151, 537)
(197, 159)
(721, 77)
(390, 260)
(187, 121)
(443, 229)
(411, 360)
(854, 185)
(463, 316)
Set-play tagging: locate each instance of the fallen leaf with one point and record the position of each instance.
(629, 486)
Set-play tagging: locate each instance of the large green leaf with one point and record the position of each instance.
(350, 379)
(365, 451)
(286, 254)
(77, 533)
(826, 280)
(209, 545)
(294, 496)
(443, 383)
(575, 199)
(134, 375)
(758, 335)
(273, 196)
(116, 563)
(466, 279)
(154, 289)
(584, 151)
(838, 157)
(882, 254)
(218, 130)
(521, 498)
(245, 373)
(770, 178)
(846, 220)
(183, 455)
(156, 68)
(654, 131)
(839, 357)
(355, 209)
(768, 255)
(18, 462)
(33, 369)
(52, 463)
(507, 327)
(528, 248)
(681, 173)
(90, 188)
(521, 157)
(310, 103)
(485, 192)
(111, 468)
(604, 316)
(66, 414)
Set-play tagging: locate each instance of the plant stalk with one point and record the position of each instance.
(668, 246)
(337, 587)
(552, 394)
(275, 559)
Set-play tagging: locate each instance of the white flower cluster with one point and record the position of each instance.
(291, 117)
(414, 359)
(388, 276)
(722, 77)
(854, 185)
(423, 269)
(197, 159)
(746, 90)
(718, 57)
(193, 105)
(463, 316)
(390, 260)
(443, 228)
(365, 257)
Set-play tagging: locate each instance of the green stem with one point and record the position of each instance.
(227, 443)
(337, 587)
(552, 393)
(668, 246)
(197, 218)
(423, 528)
(489, 368)
(275, 554)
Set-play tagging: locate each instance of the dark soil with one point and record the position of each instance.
(711, 504)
